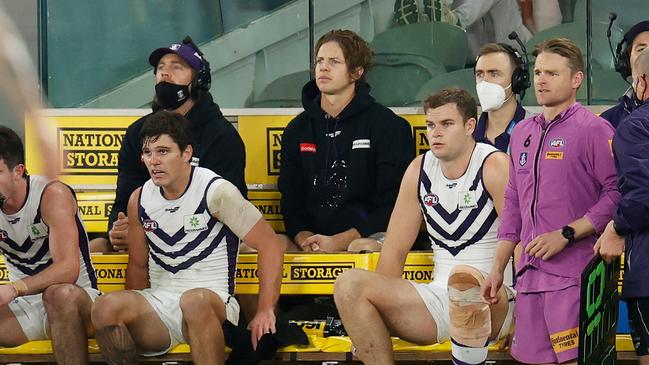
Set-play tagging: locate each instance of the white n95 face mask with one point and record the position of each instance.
(491, 96)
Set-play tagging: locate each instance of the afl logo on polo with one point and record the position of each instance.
(431, 200)
(557, 143)
(149, 225)
(3, 235)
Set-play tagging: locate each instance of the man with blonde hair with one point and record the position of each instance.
(561, 193)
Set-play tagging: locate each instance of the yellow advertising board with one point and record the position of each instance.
(268, 204)
(95, 209)
(418, 124)
(303, 273)
(110, 271)
(88, 147)
(419, 267)
(262, 136)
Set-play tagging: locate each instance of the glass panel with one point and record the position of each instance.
(608, 85)
(566, 19)
(264, 62)
(94, 46)
(424, 46)
(249, 43)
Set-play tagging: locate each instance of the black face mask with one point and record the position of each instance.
(171, 96)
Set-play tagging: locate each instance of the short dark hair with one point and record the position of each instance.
(464, 102)
(563, 47)
(172, 124)
(356, 50)
(490, 48)
(11, 148)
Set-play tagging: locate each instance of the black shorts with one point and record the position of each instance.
(639, 324)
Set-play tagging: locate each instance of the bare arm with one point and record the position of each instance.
(495, 174)
(270, 262)
(137, 271)
(404, 224)
(227, 204)
(58, 209)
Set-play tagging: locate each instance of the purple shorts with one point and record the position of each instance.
(547, 326)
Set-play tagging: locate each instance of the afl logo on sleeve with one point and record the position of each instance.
(149, 225)
(3, 235)
(430, 200)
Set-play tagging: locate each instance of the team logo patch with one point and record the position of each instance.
(522, 160)
(149, 225)
(558, 143)
(37, 231)
(361, 143)
(3, 235)
(554, 155)
(308, 147)
(467, 200)
(194, 223)
(430, 200)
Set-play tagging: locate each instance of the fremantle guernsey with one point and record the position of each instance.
(24, 239)
(460, 216)
(188, 247)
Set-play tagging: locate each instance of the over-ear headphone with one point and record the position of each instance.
(622, 59)
(520, 76)
(203, 79)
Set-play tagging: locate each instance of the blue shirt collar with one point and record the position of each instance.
(502, 141)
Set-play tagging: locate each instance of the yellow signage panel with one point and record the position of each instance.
(303, 273)
(262, 136)
(95, 208)
(88, 147)
(418, 124)
(418, 267)
(268, 204)
(110, 271)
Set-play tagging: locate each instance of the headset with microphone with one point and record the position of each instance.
(622, 55)
(520, 76)
(203, 79)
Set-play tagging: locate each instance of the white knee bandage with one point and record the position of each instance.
(470, 314)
